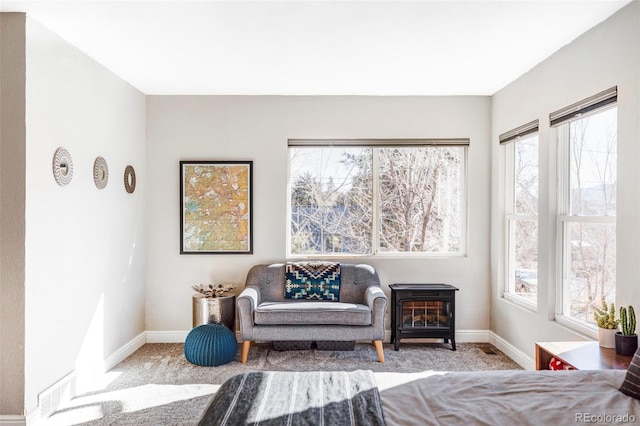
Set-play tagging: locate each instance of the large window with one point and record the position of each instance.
(587, 209)
(521, 211)
(380, 197)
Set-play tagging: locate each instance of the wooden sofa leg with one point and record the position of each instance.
(245, 350)
(378, 345)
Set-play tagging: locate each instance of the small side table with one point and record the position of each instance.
(584, 355)
(208, 310)
(423, 310)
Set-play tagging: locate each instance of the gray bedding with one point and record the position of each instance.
(508, 398)
(296, 398)
(512, 397)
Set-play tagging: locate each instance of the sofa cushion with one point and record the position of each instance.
(313, 281)
(299, 312)
(354, 281)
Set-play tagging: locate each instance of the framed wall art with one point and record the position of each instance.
(216, 207)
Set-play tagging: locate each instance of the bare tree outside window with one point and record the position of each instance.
(331, 200)
(415, 193)
(522, 218)
(590, 247)
(420, 199)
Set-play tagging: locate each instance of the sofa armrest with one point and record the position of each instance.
(252, 294)
(377, 301)
(247, 302)
(371, 294)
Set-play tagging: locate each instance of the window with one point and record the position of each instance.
(521, 213)
(587, 159)
(376, 197)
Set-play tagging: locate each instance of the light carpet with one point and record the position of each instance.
(158, 386)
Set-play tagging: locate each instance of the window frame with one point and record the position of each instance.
(376, 145)
(564, 218)
(511, 217)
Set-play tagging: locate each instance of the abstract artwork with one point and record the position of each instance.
(216, 207)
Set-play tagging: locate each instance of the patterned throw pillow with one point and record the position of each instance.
(631, 384)
(313, 281)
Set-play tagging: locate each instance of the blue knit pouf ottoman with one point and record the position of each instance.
(210, 345)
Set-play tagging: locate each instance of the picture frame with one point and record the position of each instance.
(216, 207)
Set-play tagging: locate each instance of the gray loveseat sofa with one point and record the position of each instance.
(266, 315)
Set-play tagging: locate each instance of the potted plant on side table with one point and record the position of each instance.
(210, 305)
(607, 324)
(627, 339)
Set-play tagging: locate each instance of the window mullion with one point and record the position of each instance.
(375, 215)
(509, 285)
(564, 244)
(588, 219)
(564, 159)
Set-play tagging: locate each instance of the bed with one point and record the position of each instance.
(428, 398)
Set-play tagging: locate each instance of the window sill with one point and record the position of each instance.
(576, 326)
(521, 302)
(402, 256)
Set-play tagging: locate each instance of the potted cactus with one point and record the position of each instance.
(607, 324)
(627, 339)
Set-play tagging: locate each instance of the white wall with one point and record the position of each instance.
(12, 201)
(257, 128)
(84, 246)
(606, 56)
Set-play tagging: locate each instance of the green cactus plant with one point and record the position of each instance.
(606, 316)
(628, 322)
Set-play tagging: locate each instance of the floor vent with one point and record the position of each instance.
(489, 350)
(60, 392)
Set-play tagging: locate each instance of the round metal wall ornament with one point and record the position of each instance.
(100, 172)
(62, 166)
(129, 179)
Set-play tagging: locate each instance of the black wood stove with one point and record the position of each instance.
(423, 311)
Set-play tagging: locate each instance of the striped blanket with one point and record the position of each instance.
(296, 398)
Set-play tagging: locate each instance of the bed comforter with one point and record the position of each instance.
(513, 397)
(508, 398)
(296, 398)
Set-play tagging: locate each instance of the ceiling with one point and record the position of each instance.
(300, 47)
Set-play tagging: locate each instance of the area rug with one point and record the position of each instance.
(158, 386)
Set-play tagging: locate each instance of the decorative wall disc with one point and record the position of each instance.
(100, 172)
(62, 166)
(129, 179)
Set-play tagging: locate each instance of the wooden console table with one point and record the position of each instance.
(587, 355)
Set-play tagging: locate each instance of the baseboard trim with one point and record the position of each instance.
(175, 336)
(462, 336)
(179, 336)
(76, 382)
(512, 352)
(6, 420)
(128, 349)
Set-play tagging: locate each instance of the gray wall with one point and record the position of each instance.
(606, 56)
(85, 247)
(12, 221)
(257, 128)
